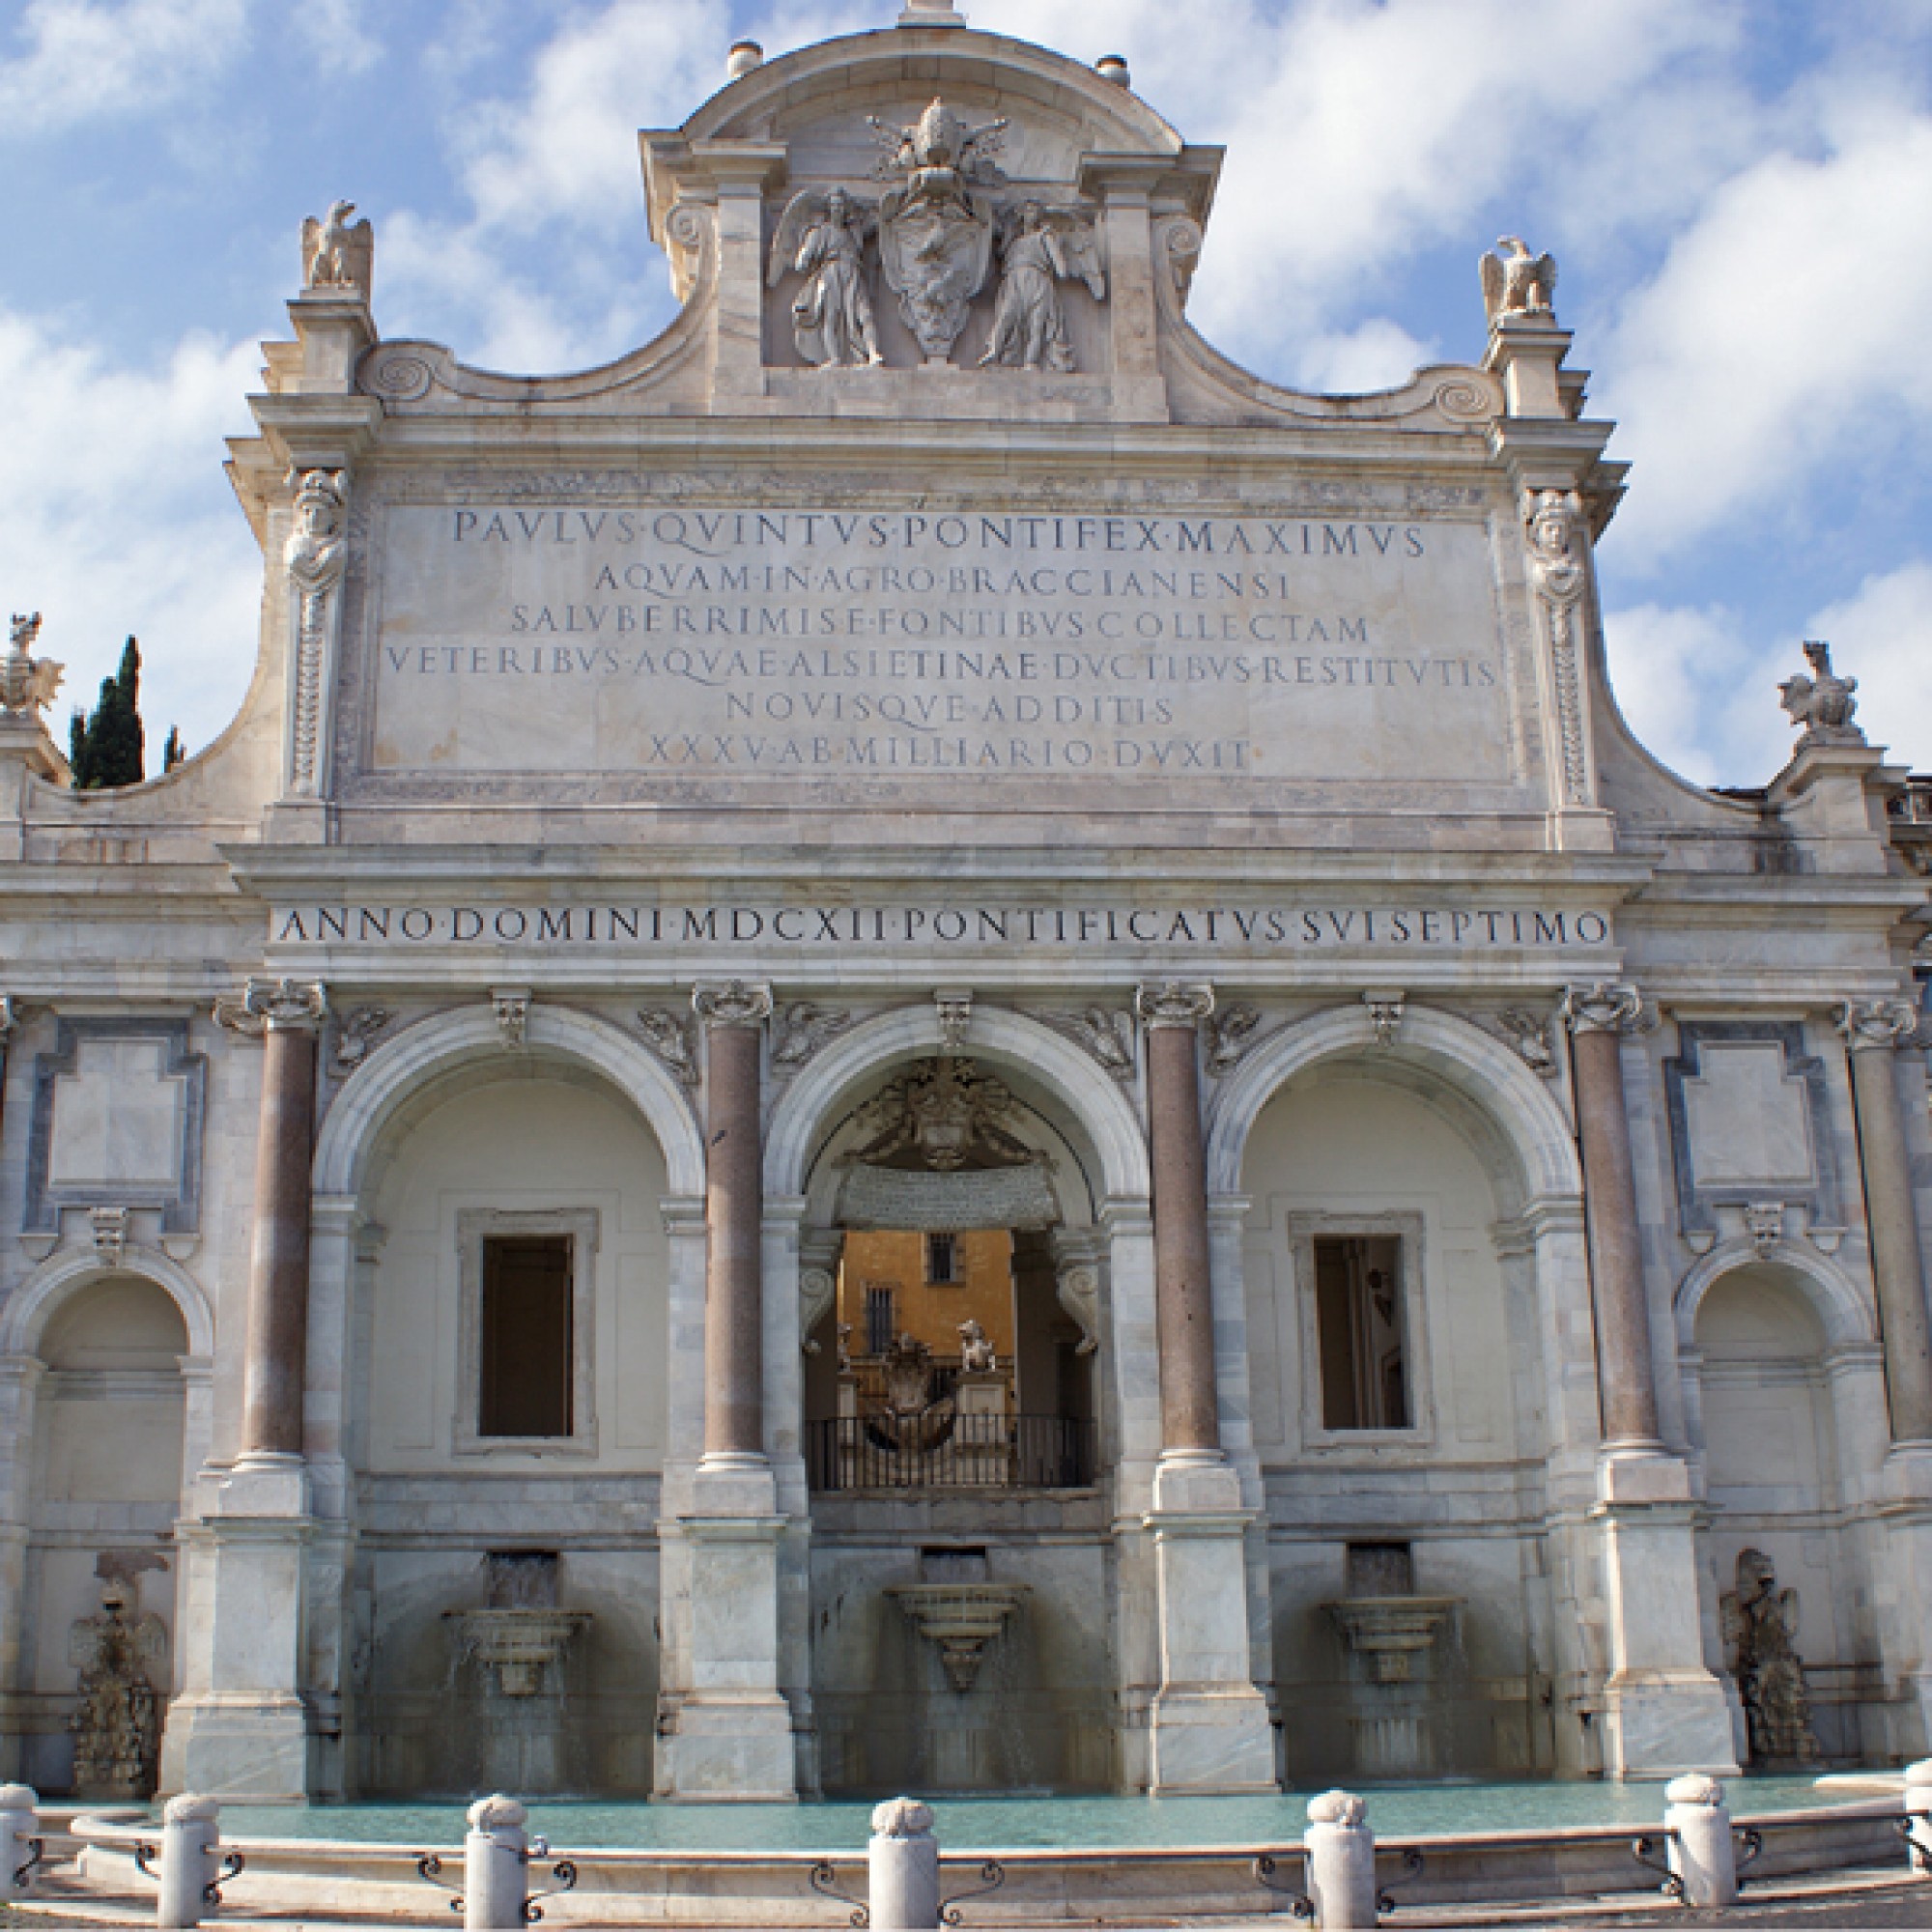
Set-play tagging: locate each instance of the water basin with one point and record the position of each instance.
(1015, 1823)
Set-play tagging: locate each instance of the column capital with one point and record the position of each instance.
(1607, 1007)
(1869, 1026)
(1174, 1003)
(273, 1005)
(734, 1003)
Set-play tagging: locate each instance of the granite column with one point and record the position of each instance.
(240, 1727)
(734, 1406)
(725, 1726)
(1208, 1726)
(1663, 1711)
(1183, 1289)
(1597, 1018)
(1873, 1033)
(275, 1366)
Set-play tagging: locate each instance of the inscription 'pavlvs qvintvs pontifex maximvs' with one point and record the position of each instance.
(734, 642)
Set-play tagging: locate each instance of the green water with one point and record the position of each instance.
(1003, 1824)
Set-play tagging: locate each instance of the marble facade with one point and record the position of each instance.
(930, 647)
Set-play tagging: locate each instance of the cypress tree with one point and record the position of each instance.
(173, 751)
(110, 748)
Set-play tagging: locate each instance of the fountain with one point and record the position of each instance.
(962, 1619)
(1390, 1636)
(512, 1718)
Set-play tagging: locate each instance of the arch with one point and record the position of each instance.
(25, 1317)
(997, 1036)
(468, 1041)
(1844, 1313)
(1445, 1049)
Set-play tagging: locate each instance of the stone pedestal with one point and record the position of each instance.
(727, 1728)
(238, 1729)
(1664, 1714)
(1209, 1727)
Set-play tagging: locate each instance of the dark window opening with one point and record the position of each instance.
(1380, 1570)
(942, 1260)
(880, 1330)
(527, 1342)
(1358, 1321)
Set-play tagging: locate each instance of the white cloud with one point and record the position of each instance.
(1376, 355)
(120, 521)
(86, 60)
(1785, 331)
(337, 34)
(1882, 636)
(1699, 693)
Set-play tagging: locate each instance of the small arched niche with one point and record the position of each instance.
(1770, 1432)
(107, 1461)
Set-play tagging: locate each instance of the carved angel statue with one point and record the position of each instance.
(1516, 282)
(975, 1353)
(1039, 248)
(1822, 707)
(1760, 1626)
(27, 683)
(336, 252)
(116, 1728)
(824, 237)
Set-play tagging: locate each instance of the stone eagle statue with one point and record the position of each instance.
(336, 252)
(1516, 282)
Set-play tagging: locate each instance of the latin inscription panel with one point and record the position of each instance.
(735, 642)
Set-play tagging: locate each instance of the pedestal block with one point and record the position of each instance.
(1664, 1714)
(1209, 1727)
(238, 1730)
(729, 1732)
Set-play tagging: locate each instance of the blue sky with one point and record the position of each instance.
(1739, 193)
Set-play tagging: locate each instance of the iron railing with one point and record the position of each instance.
(942, 1450)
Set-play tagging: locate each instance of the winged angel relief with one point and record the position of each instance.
(824, 237)
(1039, 248)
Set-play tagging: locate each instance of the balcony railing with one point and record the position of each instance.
(941, 1450)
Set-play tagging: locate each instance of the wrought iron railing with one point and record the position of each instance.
(941, 1450)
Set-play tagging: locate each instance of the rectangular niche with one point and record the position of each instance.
(1749, 1122)
(526, 1365)
(117, 1122)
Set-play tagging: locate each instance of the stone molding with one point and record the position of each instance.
(31, 1305)
(1003, 1039)
(1822, 1200)
(273, 1005)
(1868, 1026)
(737, 1003)
(1607, 1006)
(1465, 1056)
(1174, 1003)
(435, 1047)
(180, 1204)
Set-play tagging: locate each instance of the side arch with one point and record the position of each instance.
(423, 1057)
(33, 1304)
(997, 1036)
(1483, 1070)
(1845, 1315)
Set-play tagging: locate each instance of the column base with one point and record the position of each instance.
(729, 1749)
(244, 1751)
(1662, 1723)
(1213, 1743)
